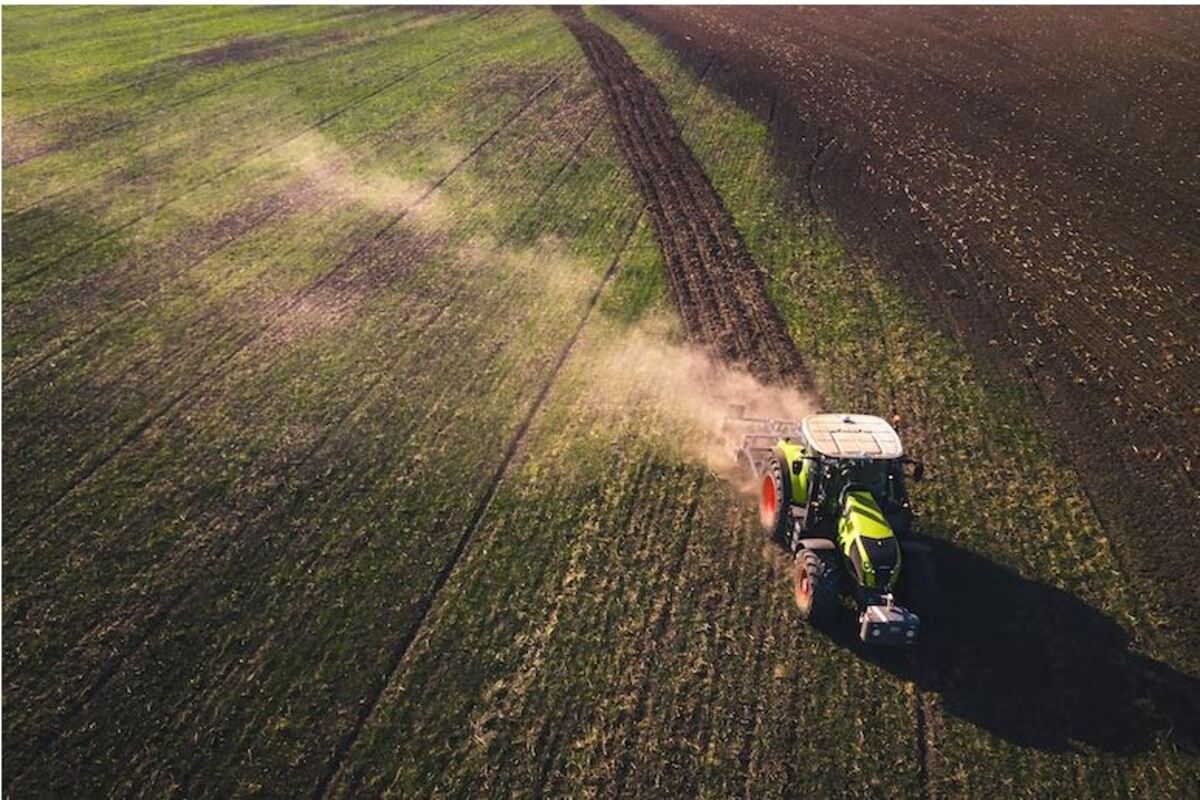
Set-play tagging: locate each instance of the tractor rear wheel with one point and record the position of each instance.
(775, 501)
(815, 581)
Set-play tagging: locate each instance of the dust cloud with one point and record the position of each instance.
(679, 393)
(330, 170)
(686, 394)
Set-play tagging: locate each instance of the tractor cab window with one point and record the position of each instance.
(871, 474)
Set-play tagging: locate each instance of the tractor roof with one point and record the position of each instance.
(851, 436)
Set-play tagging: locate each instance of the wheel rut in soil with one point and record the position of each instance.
(717, 286)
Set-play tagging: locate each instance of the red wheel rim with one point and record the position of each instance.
(767, 501)
(803, 586)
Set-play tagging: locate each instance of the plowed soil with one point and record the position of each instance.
(716, 284)
(1030, 175)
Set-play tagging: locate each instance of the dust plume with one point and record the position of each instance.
(686, 394)
(330, 170)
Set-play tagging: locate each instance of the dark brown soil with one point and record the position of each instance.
(717, 285)
(1030, 175)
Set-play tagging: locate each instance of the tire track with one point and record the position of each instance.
(928, 724)
(279, 313)
(367, 709)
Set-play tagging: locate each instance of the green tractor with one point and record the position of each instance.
(831, 493)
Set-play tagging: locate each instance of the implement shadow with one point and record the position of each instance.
(1037, 666)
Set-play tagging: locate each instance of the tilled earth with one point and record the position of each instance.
(717, 286)
(1031, 175)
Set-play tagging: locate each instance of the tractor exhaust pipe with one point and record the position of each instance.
(888, 626)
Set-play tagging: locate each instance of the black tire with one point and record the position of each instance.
(775, 502)
(919, 584)
(815, 585)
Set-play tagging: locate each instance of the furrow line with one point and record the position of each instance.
(367, 709)
(660, 624)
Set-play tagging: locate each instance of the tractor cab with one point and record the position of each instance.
(854, 453)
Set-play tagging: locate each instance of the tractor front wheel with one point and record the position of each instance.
(815, 579)
(774, 502)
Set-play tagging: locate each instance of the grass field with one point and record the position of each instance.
(351, 447)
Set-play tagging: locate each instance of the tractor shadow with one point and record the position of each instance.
(1036, 666)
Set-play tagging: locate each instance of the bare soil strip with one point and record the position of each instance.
(717, 285)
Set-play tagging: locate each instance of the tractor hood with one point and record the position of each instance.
(867, 541)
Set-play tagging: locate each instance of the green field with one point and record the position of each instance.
(351, 447)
